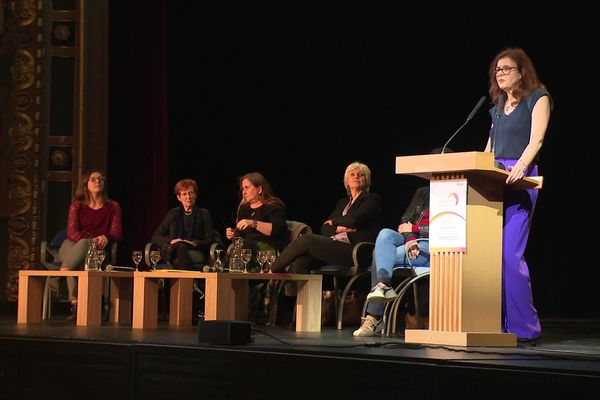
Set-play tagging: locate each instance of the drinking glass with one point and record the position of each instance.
(218, 264)
(262, 260)
(271, 257)
(246, 257)
(136, 255)
(101, 255)
(154, 257)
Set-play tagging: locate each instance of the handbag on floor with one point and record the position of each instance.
(353, 305)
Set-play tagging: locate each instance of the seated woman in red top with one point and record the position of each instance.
(92, 216)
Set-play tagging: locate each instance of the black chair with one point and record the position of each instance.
(409, 276)
(362, 256)
(296, 229)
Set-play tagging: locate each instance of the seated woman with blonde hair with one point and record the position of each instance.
(355, 218)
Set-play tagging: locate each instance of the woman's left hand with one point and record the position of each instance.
(244, 224)
(413, 250)
(516, 172)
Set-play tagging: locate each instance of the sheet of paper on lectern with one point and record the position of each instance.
(448, 215)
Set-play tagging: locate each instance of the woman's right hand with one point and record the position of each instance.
(101, 242)
(405, 227)
(229, 233)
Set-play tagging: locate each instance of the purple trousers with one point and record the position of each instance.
(519, 316)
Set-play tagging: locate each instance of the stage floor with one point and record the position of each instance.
(570, 346)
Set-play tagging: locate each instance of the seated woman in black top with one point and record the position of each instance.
(261, 216)
(356, 218)
(186, 232)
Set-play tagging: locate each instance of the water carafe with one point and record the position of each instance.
(236, 264)
(91, 262)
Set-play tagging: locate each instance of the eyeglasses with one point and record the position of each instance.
(96, 178)
(187, 194)
(505, 69)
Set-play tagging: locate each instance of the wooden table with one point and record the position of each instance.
(89, 297)
(226, 297)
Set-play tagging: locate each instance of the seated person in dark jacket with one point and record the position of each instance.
(356, 218)
(261, 217)
(186, 232)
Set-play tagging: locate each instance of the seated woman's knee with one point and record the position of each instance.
(179, 246)
(386, 234)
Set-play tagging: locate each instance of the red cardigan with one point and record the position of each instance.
(84, 222)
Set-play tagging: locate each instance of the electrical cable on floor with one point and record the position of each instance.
(393, 345)
(539, 352)
(305, 345)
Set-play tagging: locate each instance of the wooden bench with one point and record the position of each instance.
(89, 295)
(226, 297)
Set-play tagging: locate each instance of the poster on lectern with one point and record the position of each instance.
(448, 215)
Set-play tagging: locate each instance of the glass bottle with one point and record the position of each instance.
(91, 259)
(235, 263)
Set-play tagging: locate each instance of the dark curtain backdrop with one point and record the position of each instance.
(138, 159)
(340, 82)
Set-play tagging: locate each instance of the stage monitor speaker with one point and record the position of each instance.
(224, 332)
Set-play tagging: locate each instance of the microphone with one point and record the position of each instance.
(470, 117)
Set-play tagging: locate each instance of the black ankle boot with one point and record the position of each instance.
(72, 312)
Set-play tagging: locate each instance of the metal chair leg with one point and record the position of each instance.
(393, 311)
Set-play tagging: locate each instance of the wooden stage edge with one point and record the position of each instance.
(118, 362)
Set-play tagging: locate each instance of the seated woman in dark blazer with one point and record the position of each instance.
(356, 218)
(186, 232)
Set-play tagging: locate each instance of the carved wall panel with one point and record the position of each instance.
(22, 123)
(52, 103)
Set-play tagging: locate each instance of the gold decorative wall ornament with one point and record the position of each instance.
(22, 122)
(62, 32)
(25, 12)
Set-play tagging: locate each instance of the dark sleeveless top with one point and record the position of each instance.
(510, 133)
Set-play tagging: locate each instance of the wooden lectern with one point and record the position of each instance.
(466, 287)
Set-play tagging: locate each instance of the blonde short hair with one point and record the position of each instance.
(364, 169)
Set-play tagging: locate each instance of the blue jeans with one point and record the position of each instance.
(390, 252)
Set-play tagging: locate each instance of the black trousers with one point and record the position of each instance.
(312, 251)
(178, 254)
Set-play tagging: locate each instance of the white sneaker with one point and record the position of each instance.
(370, 327)
(381, 293)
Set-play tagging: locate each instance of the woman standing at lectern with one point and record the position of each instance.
(520, 117)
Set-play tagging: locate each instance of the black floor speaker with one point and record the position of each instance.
(224, 332)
